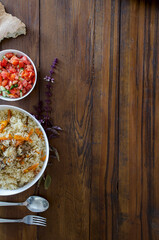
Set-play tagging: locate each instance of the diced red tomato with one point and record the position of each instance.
(24, 83)
(18, 92)
(29, 86)
(25, 74)
(4, 74)
(9, 55)
(20, 86)
(0, 80)
(12, 70)
(4, 62)
(4, 83)
(21, 64)
(12, 91)
(31, 75)
(30, 68)
(14, 60)
(24, 91)
(25, 60)
(12, 76)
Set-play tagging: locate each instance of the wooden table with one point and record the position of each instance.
(106, 98)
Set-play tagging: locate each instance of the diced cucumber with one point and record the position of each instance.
(4, 93)
(2, 88)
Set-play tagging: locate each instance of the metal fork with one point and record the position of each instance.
(29, 219)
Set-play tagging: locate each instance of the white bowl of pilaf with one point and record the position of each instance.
(24, 150)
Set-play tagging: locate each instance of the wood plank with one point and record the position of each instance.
(138, 69)
(104, 187)
(67, 31)
(155, 169)
(127, 123)
(28, 12)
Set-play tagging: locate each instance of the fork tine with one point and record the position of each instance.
(34, 216)
(39, 220)
(39, 224)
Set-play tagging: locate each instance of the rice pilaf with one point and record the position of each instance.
(22, 149)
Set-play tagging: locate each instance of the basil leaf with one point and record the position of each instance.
(47, 182)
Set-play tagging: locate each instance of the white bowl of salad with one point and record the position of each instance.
(18, 75)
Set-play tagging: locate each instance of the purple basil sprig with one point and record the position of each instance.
(43, 114)
(49, 79)
(53, 66)
(43, 111)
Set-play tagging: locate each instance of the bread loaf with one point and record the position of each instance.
(10, 26)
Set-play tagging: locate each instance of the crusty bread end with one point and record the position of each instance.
(10, 26)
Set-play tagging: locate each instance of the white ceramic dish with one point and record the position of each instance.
(4, 192)
(18, 53)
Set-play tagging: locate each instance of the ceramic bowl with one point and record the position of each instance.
(4, 192)
(18, 53)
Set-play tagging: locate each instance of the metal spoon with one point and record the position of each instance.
(33, 203)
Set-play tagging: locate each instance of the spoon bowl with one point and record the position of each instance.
(36, 204)
(33, 203)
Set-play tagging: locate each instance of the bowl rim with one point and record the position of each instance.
(35, 70)
(6, 192)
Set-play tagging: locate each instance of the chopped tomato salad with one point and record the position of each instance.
(17, 76)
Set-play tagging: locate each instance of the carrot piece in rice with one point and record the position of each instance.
(33, 167)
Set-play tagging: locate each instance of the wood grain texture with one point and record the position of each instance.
(138, 120)
(70, 38)
(105, 98)
(104, 192)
